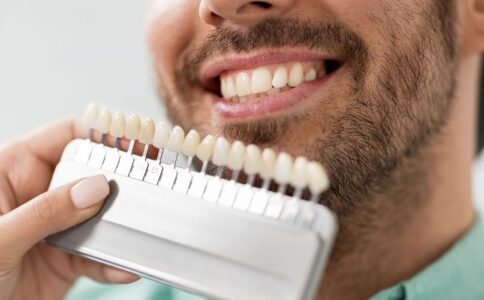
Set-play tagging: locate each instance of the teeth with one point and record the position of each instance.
(133, 125)
(296, 76)
(236, 156)
(242, 84)
(205, 149)
(317, 178)
(118, 124)
(261, 81)
(268, 80)
(299, 173)
(162, 133)
(176, 139)
(298, 179)
(267, 163)
(103, 121)
(90, 116)
(221, 152)
(192, 140)
(230, 88)
(280, 78)
(252, 160)
(310, 75)
(147, 131)
(283, 168)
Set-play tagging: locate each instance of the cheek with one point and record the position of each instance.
(170, 27)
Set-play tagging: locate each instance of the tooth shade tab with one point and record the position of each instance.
(176, 139)
(147, 131)
(118, 124)
(191, 142)
(89, 118)
(221, 152)
(283, 168)
(103, 121)
(268, 162)
(205, 148)
(162, 133)
(133, 126)
(298, 179)
(236, 156)
(317, 177)
(252, 160)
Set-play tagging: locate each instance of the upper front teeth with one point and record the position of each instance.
(268, 79)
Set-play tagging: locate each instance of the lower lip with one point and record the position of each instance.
(268, 105)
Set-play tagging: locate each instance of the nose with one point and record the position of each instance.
(242, 12)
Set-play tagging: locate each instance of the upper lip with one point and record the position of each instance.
(212, 69)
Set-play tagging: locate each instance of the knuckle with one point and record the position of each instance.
(46, 209)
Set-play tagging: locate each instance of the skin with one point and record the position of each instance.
(392, 226)
(395, 126)
(29, 269)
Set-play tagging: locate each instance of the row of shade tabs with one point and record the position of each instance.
(266, 163)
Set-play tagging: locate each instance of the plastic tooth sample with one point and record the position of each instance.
(147, 131)
(90, 116)
(118, 124)
(236, 156)
(189, 147)
(317, 178)
(205, 150)
(190, 144)
(298, 179)
(269, 157)
(176, 139)
(283, 169)
(133, 126)
(103, 121)
(162, 133)
(252, 161)
(221, 152)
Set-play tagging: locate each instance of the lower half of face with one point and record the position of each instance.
(357, 90)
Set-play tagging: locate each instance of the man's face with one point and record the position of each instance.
(376, 80)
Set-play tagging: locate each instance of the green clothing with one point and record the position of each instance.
(458, 274)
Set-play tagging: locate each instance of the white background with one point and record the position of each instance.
(58, 55)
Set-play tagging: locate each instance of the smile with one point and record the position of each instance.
(265, 83)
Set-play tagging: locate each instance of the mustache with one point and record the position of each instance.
(277, 33)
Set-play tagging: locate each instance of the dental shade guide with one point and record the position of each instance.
(171, 221)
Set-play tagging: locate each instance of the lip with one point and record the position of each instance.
(213, 68)
(268, 105)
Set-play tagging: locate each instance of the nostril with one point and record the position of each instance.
(262, 4)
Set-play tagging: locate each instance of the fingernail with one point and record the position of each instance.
(89, 191)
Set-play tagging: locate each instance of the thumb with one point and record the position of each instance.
(51, 212)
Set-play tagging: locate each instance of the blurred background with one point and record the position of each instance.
(58, 55)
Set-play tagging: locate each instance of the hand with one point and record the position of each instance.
(30, 269)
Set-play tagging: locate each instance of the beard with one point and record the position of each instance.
(399, 96)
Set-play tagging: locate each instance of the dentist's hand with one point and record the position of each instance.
(30, 269)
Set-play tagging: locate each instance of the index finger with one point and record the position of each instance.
(48, 142)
